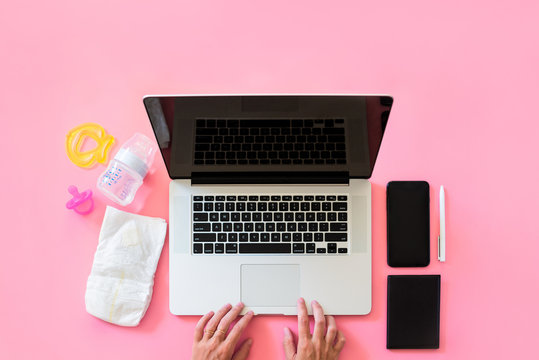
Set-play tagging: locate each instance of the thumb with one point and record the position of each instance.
(243, 352)
(289, 344)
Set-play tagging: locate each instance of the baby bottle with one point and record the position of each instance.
(126, 171)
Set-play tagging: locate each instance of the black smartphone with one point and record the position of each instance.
(408, 223)
(413, 312)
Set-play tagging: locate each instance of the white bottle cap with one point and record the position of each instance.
(133, 161)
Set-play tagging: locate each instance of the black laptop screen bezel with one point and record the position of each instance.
(371, 115)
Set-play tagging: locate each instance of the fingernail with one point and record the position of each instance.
(315, 302)
(240, 304)
(249, 341)
(250, 312)
(301, 300)
(286, 332)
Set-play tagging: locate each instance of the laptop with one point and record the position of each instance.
(269, 199)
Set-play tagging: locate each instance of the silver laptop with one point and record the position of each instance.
(269, 199)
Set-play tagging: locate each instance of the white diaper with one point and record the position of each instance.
(120, 285)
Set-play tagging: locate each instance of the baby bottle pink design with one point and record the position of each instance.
(127, 170)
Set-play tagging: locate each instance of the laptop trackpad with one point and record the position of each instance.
(269, 285)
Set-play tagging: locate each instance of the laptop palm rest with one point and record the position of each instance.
(270, 285)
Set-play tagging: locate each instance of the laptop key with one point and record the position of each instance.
(204, 237)
(201, 227)
(321, 251)
(224, 217)
(231, 248)
(299, 248)
(340, 206)
(336, 236)
(208, 248)
(270, 248)
(221, 237)
(219, 248)
(254, 237)
(343, 250)
(197, 248)
(332, 248)
(200, 217)
(311, 248)
(197, 206)
(338, 227)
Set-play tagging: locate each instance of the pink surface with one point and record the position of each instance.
(465, 80)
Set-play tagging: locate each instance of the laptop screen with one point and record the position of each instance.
(297, 135)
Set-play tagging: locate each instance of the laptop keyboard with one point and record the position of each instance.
(264, 224)
(270, 142)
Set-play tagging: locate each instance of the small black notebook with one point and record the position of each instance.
(413, 311)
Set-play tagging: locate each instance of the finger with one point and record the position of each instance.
(243, 352)
(319, 321)
(223, 326)
(199, 328)
(235, 333)
(289, 344)
(332, 330)
(340, 342)
(212, 324)
(303, 320)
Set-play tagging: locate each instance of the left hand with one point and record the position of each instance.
(211, 341)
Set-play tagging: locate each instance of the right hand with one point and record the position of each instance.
(323, 344)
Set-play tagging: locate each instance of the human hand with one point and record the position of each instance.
(322, 344)
(211, 341)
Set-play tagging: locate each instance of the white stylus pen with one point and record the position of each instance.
(441, 238)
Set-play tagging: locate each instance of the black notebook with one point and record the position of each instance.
(413, 311)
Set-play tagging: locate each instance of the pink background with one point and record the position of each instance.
(465, 79)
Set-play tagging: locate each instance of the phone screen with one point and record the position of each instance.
(408, 223)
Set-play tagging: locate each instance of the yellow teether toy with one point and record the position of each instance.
(75, 139)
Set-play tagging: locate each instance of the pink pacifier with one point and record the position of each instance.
(79, 199)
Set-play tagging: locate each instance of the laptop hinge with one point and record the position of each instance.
(311, 177)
